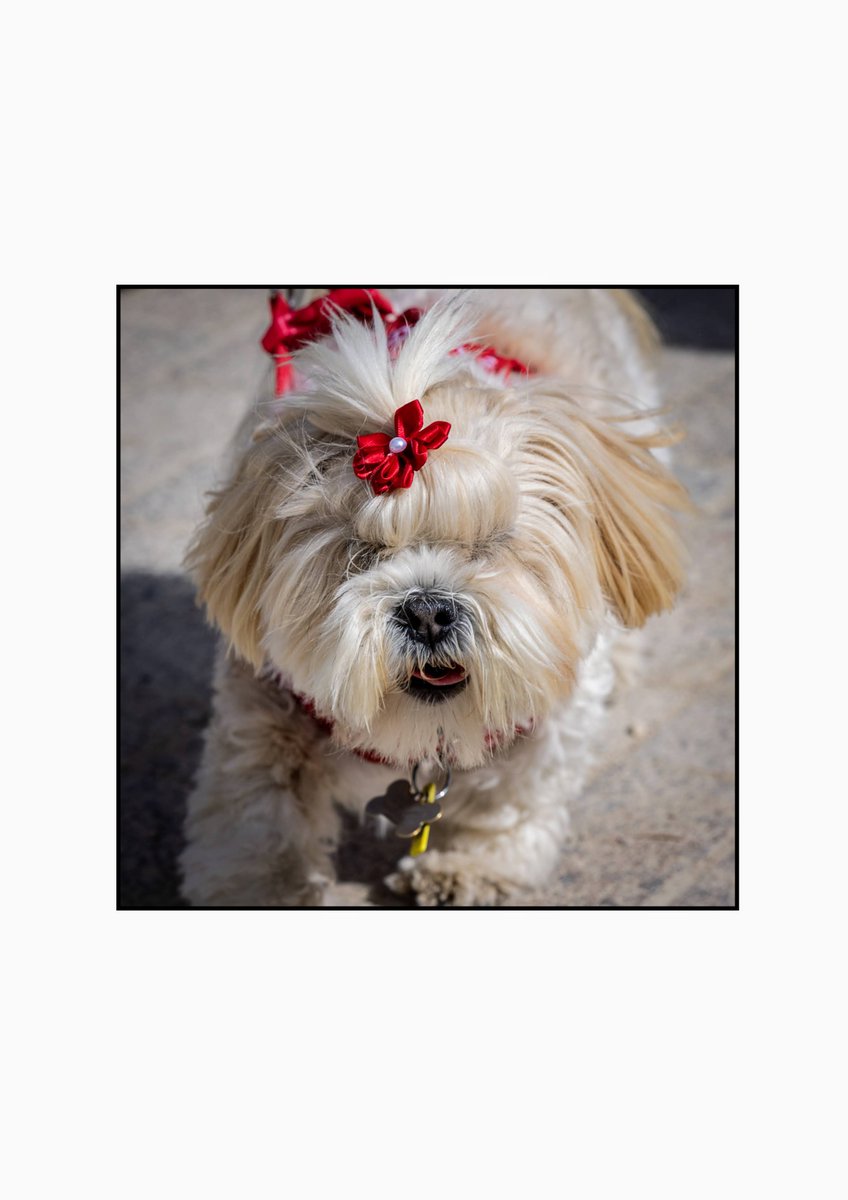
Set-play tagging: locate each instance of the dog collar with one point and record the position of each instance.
(494, 740)
(327, 726)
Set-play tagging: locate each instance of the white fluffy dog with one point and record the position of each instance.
(400, 601)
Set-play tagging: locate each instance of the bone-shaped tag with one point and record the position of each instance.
(408, 812)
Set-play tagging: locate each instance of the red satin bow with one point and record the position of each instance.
(291, 328)
(388, 468)
(388, 463)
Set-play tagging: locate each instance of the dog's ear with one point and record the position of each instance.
(230, 556)
(633, 498)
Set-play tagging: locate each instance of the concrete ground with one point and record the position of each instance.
(656, 825)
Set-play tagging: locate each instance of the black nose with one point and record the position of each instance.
(427, 618)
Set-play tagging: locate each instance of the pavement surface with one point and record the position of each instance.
(655, 827)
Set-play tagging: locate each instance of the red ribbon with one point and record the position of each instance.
(489, 358)
(292, 328)
(389, 469)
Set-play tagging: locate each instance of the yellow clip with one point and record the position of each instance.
(422, 840)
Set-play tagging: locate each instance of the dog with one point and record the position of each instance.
(431, 537)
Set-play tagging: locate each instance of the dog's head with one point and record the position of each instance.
(462, 606)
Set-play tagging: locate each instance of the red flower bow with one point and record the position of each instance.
(291, 328)
(391, 463)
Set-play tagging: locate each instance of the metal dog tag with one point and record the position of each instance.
(408, 811)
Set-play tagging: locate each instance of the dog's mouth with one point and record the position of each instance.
(436, 684)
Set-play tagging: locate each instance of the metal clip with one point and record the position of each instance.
(418, 789)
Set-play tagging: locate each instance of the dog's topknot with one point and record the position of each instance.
(355, 385)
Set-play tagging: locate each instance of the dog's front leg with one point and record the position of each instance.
(476, 869)
(498, 844)
(255, 851)
(258, 831)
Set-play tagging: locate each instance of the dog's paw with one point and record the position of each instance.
(448, 878)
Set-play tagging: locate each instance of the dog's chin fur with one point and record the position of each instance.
(545, 521)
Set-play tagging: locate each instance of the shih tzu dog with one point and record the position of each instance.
(429, 541)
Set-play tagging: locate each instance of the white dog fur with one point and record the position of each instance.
(546, 519)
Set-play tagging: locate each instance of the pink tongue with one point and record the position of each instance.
(451, 677)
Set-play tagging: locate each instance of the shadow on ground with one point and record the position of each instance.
(167, 655)
(166, 670)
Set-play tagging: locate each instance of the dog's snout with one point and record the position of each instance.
(427, 618)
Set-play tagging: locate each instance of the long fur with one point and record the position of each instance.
(546, 519)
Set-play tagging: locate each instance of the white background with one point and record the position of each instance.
(596, 1054)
